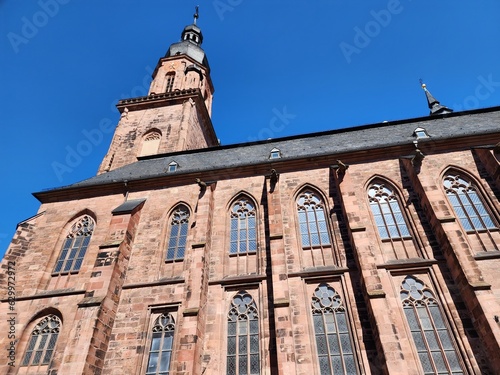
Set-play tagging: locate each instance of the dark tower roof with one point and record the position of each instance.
(433, 103)
(190, 44)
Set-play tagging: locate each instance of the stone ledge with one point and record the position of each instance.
(407, 263)
(447, 219)
(494, 254)
(377, 293)
(319, 271)
(177, 280)
(480, 285)
(238, 280)
(90, 301)
(193, 311)
(48, 294)
(358, 228)
(281, 302)
(276, 236)
(198, 245)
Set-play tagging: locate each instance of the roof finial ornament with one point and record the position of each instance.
(196, 15)
(434, 106)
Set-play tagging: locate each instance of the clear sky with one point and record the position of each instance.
(315, 65)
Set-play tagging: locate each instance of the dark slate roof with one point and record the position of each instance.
(359, 138)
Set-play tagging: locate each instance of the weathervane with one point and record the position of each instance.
(422, 83)
(196, 14)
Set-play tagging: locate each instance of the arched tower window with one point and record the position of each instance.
(432, 340)
(243, 236)
(151, 143)
(170, 77)
(467, 204)
(333, 340)
(387, 212)
(243, 336)
(179, 225)
(42, 342)
(160, 351)
(75, 245)
(312, 220)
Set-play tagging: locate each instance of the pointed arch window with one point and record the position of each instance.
(387, 212)
(75, 246)
(333, 340)
(170, 81)
(179, 225)
(243, 236)
(467, 204)
(151, 143)
(42, 342)
(432, 340)
(160, 351)
(243, 336)
(312, 220)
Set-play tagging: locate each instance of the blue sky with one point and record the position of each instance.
(316, 65)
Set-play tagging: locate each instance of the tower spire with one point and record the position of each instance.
(434, 105)
(196, 15)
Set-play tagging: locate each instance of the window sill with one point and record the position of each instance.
(314, 247)
(64, 273)
(178, 260)
(242, 254)
(396, 239)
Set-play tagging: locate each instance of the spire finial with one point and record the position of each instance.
(196, 15)
(434, 105)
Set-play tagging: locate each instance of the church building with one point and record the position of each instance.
(366, 250)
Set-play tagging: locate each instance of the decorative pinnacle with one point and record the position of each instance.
(196, 15)
(422, 83)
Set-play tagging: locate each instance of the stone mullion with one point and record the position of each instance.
(383, 322)
(475, 292)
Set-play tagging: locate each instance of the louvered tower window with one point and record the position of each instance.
(42, 342)
(243, 336)
(75, 245)
(333, 340)
(170, 82)
(160, 352)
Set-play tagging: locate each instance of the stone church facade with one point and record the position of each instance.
(368, 250)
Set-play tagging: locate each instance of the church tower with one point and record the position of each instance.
(175, 115)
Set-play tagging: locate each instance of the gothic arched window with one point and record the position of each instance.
(75, 245)
(467, 204)
(160, 351)
(151, 143)
(42, 342)
(243, 336)
(170, 81)
(312, 220)
(333, 340)
(179, 223)
(387, 212)
(432, 340)
(243, 236)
